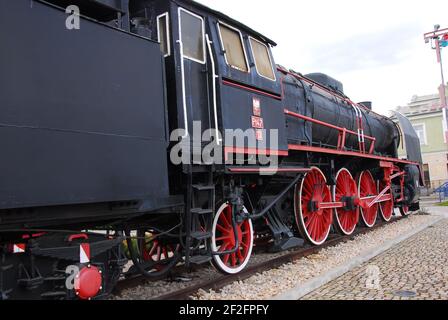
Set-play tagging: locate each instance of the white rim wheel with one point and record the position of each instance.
(386, 208)
(345, 221)
(223, 239)
(368, 188)
(314, 227)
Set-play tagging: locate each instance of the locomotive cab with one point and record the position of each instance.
(221, 75)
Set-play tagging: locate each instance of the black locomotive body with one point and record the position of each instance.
(89, 103)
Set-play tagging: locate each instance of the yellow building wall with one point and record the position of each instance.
(438, 167)
(435, 151)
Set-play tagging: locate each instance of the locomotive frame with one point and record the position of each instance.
(332, 172)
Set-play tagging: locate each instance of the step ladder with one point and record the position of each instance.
(199, 210)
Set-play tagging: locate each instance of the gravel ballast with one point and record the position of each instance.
(273, 283)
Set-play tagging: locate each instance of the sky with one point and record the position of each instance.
(375, 48)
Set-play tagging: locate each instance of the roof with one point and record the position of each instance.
(228, 19)
(420, 105)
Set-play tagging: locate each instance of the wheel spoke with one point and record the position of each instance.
(226, 258)
(224, 233)
(233, 258)
(153, 249)
(240, 256)
(222, 229)
(223, 219)
(222, 238)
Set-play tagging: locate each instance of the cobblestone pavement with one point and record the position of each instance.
(416, 269)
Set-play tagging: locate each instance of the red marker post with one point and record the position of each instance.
(439, 39)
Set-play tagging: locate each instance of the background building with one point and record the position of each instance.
(425, 114)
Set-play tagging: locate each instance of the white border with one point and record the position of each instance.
(242, 45)
(168, 37)
(255, 59)
(203, 35)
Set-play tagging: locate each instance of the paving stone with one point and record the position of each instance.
(419, 265)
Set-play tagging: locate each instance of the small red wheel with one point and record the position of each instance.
(223, 239)
(367, 188)
(345, 188)
(314, 224)
(387, 207)
(156, 253)
(404, 210)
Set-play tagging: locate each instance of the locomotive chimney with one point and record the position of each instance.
(367, 104)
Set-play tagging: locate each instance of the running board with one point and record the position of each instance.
(265, 170)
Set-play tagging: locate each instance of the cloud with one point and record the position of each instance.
(365, 51)
(375, 48)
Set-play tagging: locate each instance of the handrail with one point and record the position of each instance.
(342, 131)
(184, 95)
(214, 77)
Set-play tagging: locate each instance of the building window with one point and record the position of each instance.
(234, 52)
(420, 129)
(163, 34)
(192, 35)
(262, 58)
(426, 175)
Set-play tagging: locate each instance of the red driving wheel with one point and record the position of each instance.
(223, 240)
(387, 207)
(314, 224)
(345, 190)
(367, 188)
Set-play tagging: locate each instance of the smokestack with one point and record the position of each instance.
(367, 104)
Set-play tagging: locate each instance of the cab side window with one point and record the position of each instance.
(232, 42)
(163, 34)
(192, 34)
(263, 62)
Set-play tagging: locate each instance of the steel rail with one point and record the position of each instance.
(222, 280)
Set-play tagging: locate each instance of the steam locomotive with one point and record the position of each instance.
(91, 92)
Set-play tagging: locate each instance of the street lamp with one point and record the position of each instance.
(439, 39)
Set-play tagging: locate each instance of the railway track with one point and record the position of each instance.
(221, 281)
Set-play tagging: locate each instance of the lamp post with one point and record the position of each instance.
(439, 39)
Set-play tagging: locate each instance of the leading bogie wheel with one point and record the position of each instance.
(314, 223)
(157, 254)
(223, 240)
(152, 255)
(345, 190)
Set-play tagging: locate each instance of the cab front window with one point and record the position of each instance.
(232, 43)
(263, 62)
